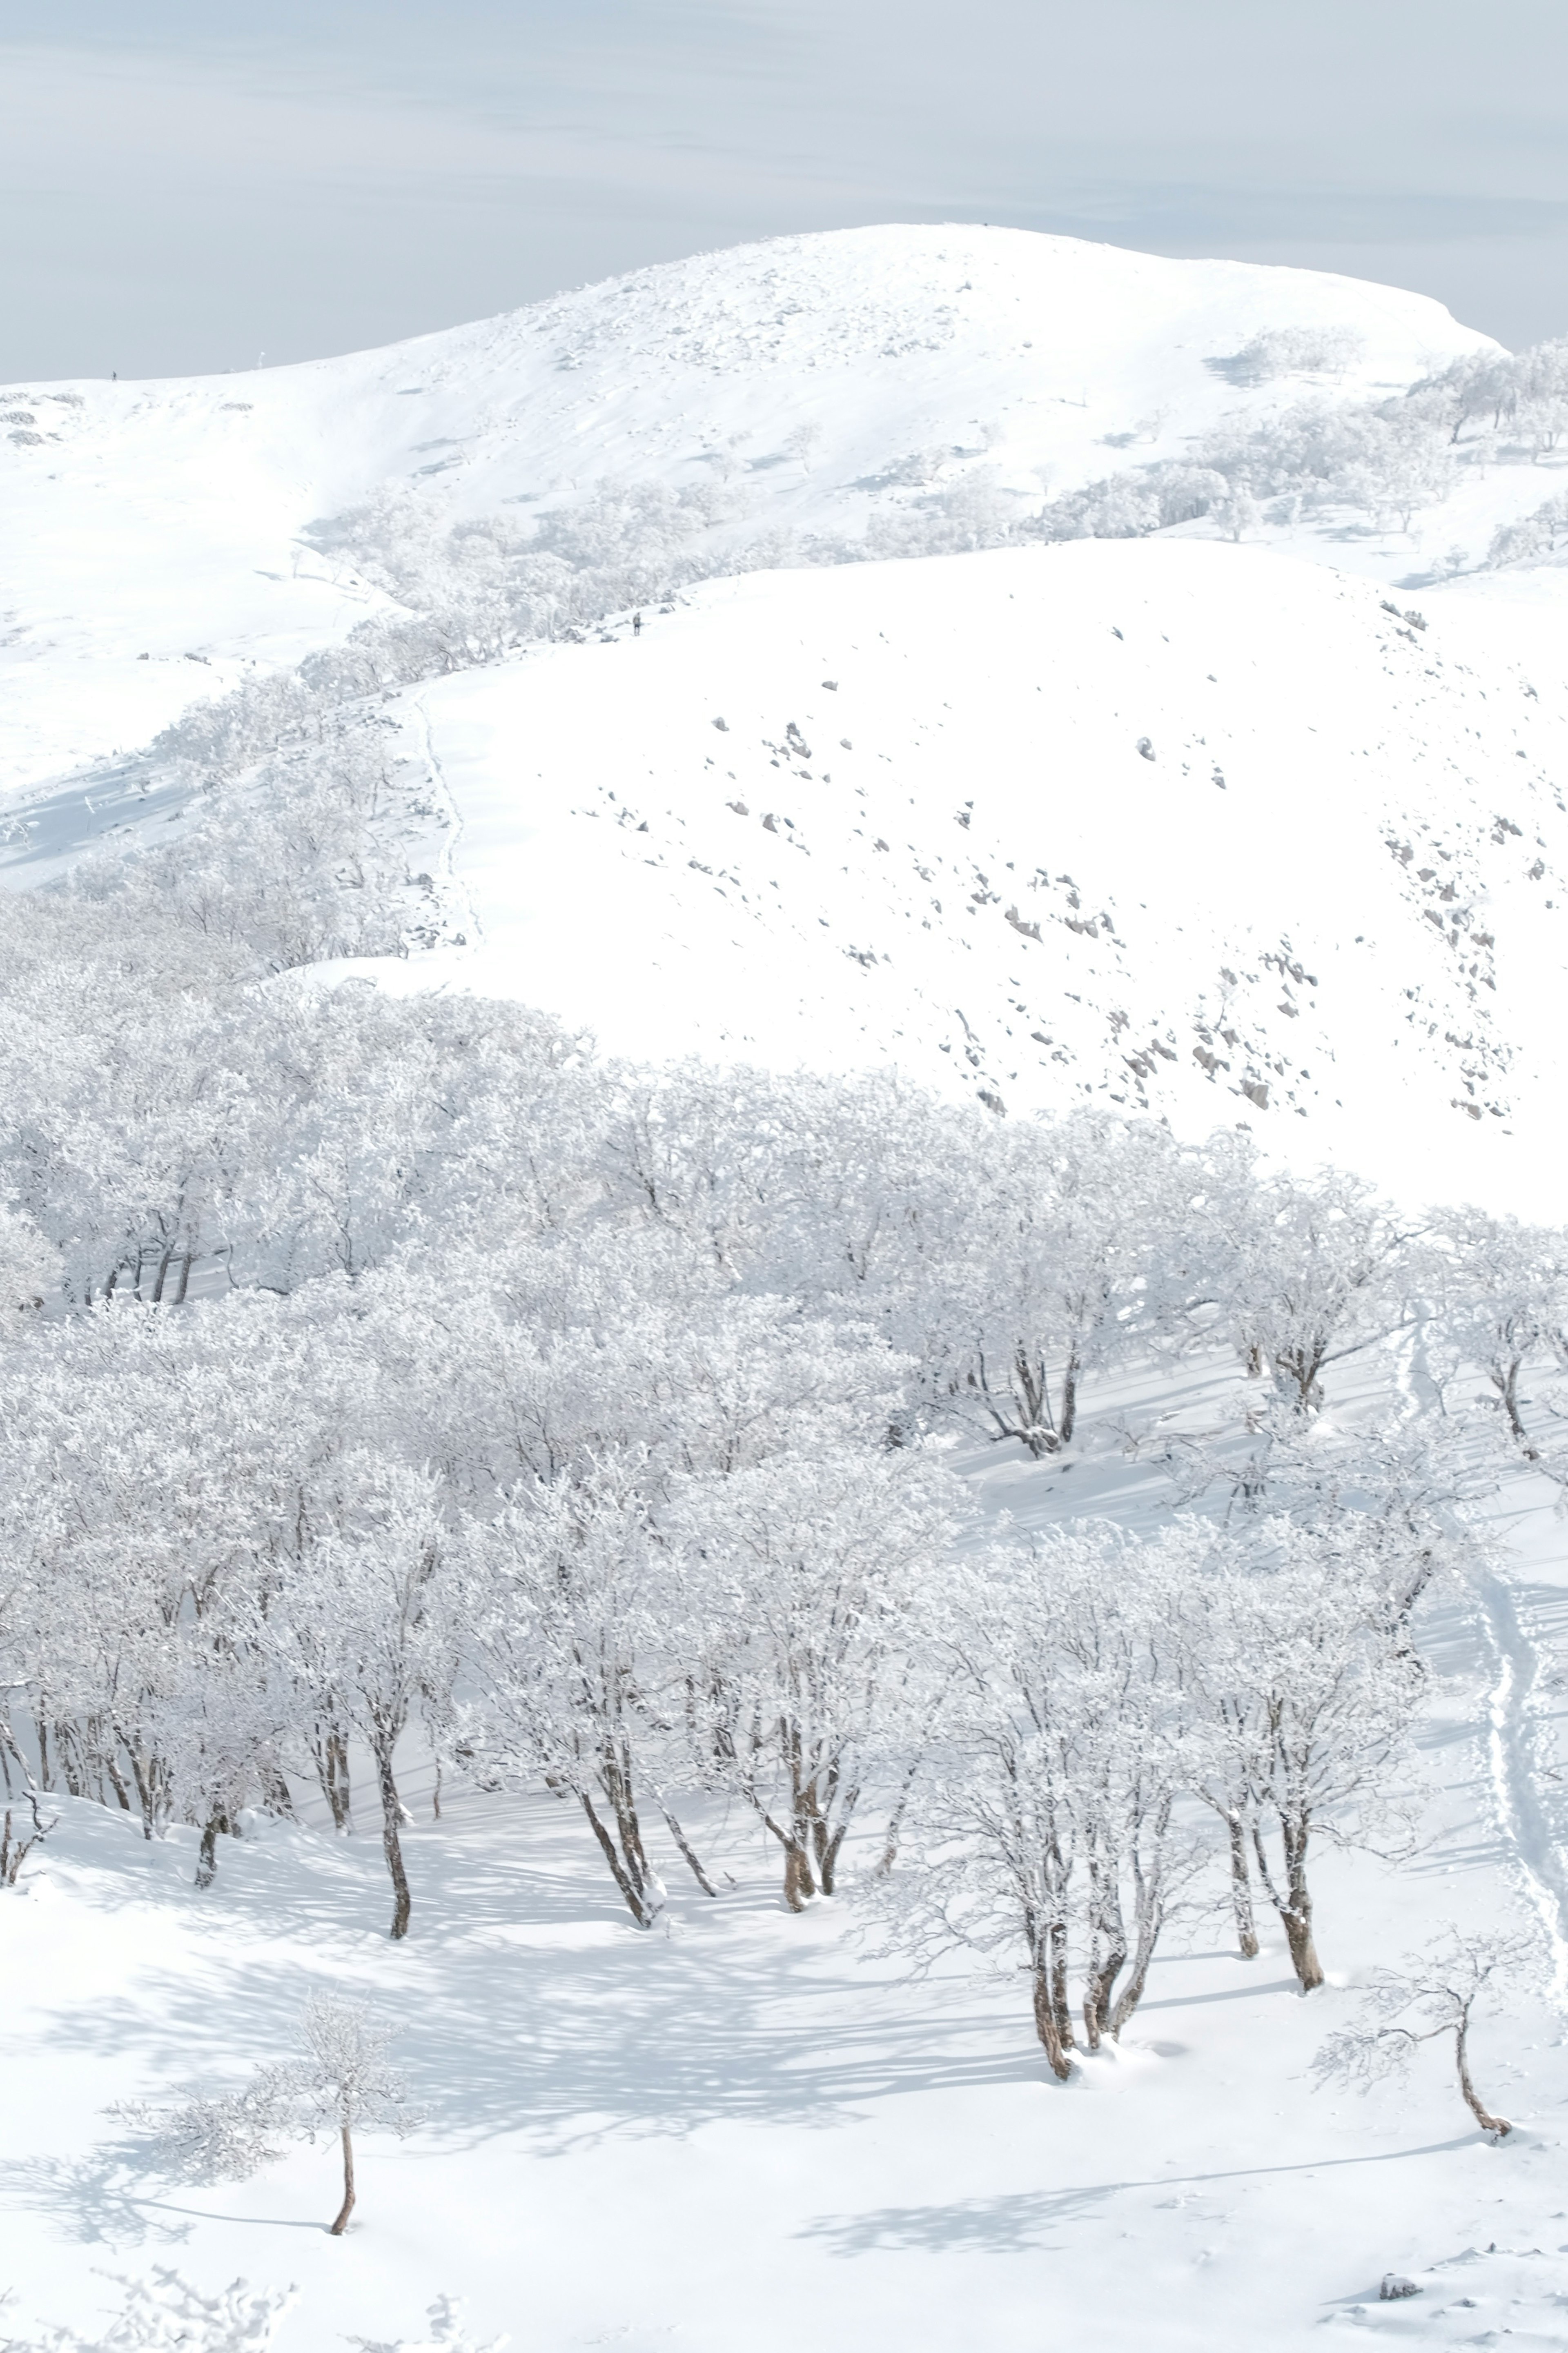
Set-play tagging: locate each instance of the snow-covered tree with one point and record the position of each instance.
(1296, 1654)
(340, 2082)
(801, 1573)
(1047, 1821)
(1426, 1997)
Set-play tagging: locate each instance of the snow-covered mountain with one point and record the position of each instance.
(156, 546)
(1162, 821)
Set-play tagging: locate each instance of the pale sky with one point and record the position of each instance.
(188, 185)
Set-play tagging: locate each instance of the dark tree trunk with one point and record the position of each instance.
(392, 1847)
(1048, 2025)
(206, 1860)
(635, 1903)
(346, 2209)
(688, 1853)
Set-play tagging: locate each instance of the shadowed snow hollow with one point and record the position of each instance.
(1185, 828)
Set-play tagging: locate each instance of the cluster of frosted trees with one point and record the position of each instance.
(1381, 461)
(389, 1378)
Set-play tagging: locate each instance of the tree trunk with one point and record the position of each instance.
(1295, 1906)
(1297, 1918)
(1062, 2009)
(799, 1886)
(206, 1860)
(635, 1904)
(688, 1853)
(1069, 1420)
(1108, 1934)
(392, 1847)
(346, 2209)
(1046, 2025)
(1241, 1889)
(329, 1753)
(1488, 2123)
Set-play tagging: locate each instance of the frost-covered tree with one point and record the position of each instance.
(1426, 1997)
(1304, 1273)
(1501, 1299)
(1046, 1821)
(340, 2082)
(801, 1574)
(368, 1630)
(1298, 1658)
(572, 1612)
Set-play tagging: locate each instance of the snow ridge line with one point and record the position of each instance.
(1518, 1810)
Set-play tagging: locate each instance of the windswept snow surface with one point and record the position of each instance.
(900, 812)
(743, 2131)
(802, 385)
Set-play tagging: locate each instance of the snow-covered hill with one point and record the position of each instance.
(1180, 826)
(1325, 897)
(156, 549)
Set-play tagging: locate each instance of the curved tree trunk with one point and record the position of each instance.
(346, 2209)
(1488, 2123)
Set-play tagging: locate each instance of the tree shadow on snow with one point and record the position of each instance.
(1015, 2224)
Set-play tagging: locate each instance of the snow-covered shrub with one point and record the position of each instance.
(1297, 350)
(163, 2311)
(447, 2333)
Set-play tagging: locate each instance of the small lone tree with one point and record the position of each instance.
(1426, 1997)
(340, 2082)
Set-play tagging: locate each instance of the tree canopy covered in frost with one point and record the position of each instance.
(383, 1375)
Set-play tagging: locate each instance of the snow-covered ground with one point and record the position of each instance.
(740, 2130)
(900, 812)
(1182, 826)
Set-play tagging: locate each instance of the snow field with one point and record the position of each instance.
(744, 2126)
(899, 813)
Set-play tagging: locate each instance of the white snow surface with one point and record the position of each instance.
(899, 812)
(741, 2130)
(807, 382)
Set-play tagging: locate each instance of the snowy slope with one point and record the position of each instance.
(803, 384)
(900, 812)
(739, 2135)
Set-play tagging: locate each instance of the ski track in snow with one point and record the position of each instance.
(1514, 1769)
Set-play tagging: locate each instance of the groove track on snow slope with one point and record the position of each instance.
(1512, 1763)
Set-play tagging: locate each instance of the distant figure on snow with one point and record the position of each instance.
(636, 625)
